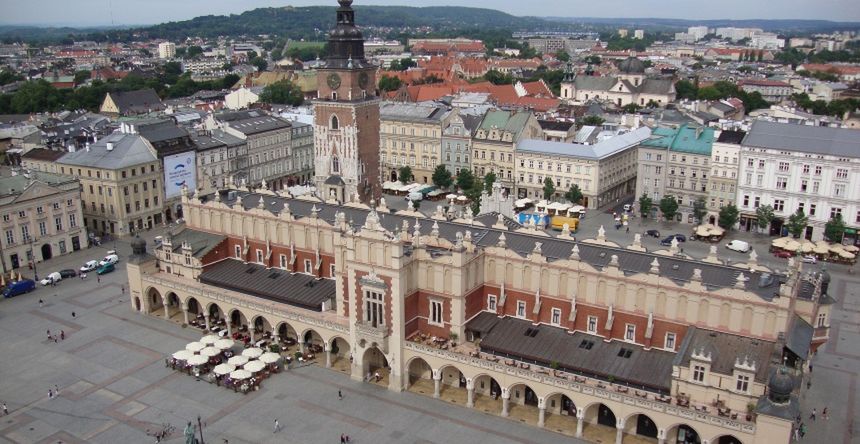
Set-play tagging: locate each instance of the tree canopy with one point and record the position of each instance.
(728, 217)
(442, 177)
(404, 174)
(548, 188)
(282, 92)
(669, 207)
(574, 194)
(645, 205)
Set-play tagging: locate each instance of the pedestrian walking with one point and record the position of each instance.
(797, 433)
(812, 416)
(277, 427)
(49, 335)
(73, 314)
(802, 430)
(628, 229)
(824, 414)
(62, 335)
(56, 389)
(5, 409)
(340, 396)
(55, 339)
(342, 438)
(347, 438)
(98, 279)
(808, 383)
(41, 303)
(50, 394)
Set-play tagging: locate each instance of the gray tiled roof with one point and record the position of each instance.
(799, 337)
(544, 344)
(412, 112)
(301, 290)
(128, 150)
(139, 101)
(252, 121)
(724, 348)
(200, 241)
(678, 269)
(594, 83)
(655, 86)
(808, 139)
(599, 150)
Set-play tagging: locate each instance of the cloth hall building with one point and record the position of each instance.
(584, 337)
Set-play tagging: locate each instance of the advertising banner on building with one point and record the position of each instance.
(180, 170)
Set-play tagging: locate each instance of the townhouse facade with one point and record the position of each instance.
(457, 140)
(495, 141)
(411, 135)
(41, 218)
(722, 185)
(791, 167)
(676, 162)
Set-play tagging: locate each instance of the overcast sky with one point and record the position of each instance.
(106, 12)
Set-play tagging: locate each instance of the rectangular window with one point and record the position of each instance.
(43, 228)
(778, 205)
(10, 237)
(841, 173)
(592, 324)
(521, 309)
(283, 260)
(435, 312)
(812, 209)
(818, 170)
(73, 221)
(630, 332)
(58, 223)
(237, 251)
(331, 271)
(556, 316)
(743, 383)
(835, 211)
(373, 309)
(259, 256)
(491, 303)
(698, 373)
(781, 183)
(822, 317)
(806, 169)
(783, 167)
(670, 341)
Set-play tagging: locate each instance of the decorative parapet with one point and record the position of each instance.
(248, 302)
(374, 335)
(681, 412)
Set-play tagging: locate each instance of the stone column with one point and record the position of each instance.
(661, 436)
(437, 383)
(206, 318)
(580, 419)
(185, 313)
(301, 346)
(506, 398)
(166, 308)
(327, 355)
(541, 412)
(229, 328)
(470, 393)
(253, 334)
(619, 432)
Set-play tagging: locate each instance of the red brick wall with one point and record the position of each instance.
(476, 300)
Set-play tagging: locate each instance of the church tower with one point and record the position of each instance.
(346, 117)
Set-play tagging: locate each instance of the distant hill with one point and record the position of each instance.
(304, 22)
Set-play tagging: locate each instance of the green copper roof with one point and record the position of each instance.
(685, 139)
(513, 122)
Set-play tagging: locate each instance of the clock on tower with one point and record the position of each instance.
(346, 117)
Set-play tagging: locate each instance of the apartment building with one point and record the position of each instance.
(495, 142)
(791, 167)
(604, 171)
(411, 135)
(676, 162)
(121, 177)
(457, 139)
(41, 218)
(722, 188)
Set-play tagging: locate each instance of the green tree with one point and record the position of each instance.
(728, 217)
(834, 229)
(442, 177)
(548, 188)
(669, 207)
(229, 80)
(685, 89)
(764, 215)
(562, 56)
(592, 121)
(489, 180)
(574, 194)
(498, 78)
(700, 209)
(709, 93)
(402, 64)
(405, 174)
(631, 108)
(593, 60)
(465, 180)
(282, 92)
(645, 204)
(797, 223)
(387, 83)
(81, 77)
(193, 51)
(260, 63)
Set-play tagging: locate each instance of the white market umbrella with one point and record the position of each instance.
(451, 196)
(197, 360)
(240, 374)
(807, 247)
(223, 369)
(253, 352)
(254, 366)
(462, 198)
(269, 358)
(821, 249)
(846, 255)
(791, 245)
(836, 248)
(210, 352)
(182, 355)
(851, 248)
(194, 347)
(238, 360)
(224, 344)
(209, 339)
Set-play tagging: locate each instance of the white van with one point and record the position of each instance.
(739, 246)
(109, 259)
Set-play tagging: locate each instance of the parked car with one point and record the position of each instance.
(68, 273)
(89, 266)
(739, 246)
(109, 259)
(783, 254)
(105, 268)
(668, 241)
(810, 259)
(19, 287)
(652, 233)
(51, 278)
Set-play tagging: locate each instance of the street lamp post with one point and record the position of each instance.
(33, 258)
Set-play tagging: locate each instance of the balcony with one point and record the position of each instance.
(364, 331)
